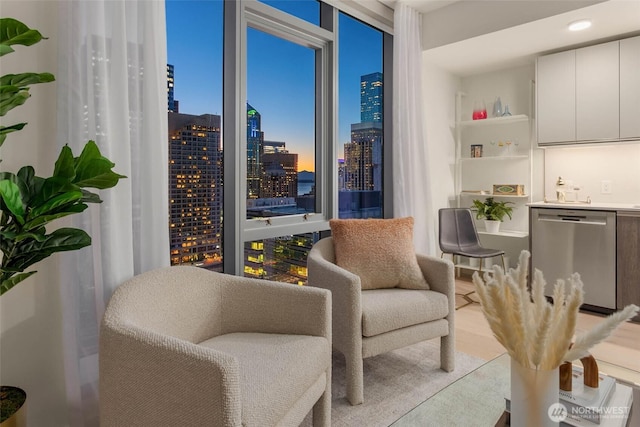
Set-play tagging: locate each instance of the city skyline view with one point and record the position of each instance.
(280, 151)
(194, 40)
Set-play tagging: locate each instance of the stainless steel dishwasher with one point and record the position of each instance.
(564, 241)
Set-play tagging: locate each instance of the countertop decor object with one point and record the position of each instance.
(537, 334)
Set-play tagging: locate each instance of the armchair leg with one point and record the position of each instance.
(322, 408)
(447, 353)
(355, 381)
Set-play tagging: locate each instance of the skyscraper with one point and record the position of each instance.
(360, 174)
(371, 98)
(363, 157)
(255, 143)
(172, 103)
(195, 190)
(279, 174)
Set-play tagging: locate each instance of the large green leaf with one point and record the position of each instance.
(89, 197)
(99, 175)
(4, 130)
(64, 167)
(93, 170)
(25, 79)
(14, 32)
(63, 211)
(4, 49)
(9, 101)
(30, 184)
(30, 251)
(54, 203)
(13, 280)
(50, 188)
(10, 193)
(12, 128)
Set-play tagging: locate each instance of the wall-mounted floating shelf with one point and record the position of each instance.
(494, 121)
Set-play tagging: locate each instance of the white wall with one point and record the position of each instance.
(30, 314)
(440, 87)
(588, 166)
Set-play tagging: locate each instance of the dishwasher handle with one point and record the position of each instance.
(573, 220)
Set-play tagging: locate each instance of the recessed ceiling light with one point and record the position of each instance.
(582, 24)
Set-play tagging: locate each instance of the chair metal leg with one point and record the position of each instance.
(481, 262)
(504, 267)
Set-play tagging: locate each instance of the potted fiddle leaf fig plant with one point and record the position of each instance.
(493, 212)
(29, 203)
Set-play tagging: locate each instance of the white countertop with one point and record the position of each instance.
(593, 205)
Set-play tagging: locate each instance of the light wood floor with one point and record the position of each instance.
(618, 355)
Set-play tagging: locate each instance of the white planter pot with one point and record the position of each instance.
(491, 226)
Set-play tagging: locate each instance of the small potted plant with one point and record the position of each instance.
(492, 212)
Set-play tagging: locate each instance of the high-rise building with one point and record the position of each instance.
(287, 258)
(195, 190)
(371, 98)
(172, 103)
(255, 144)
(273, 146)
(279, 174)
(363, 157)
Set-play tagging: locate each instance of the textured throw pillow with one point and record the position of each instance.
(380, 251)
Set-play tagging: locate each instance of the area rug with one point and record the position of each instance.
(394, 383)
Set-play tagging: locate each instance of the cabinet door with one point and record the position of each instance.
(628, 254)
(630, 88)
(598, 92)
(556, 97)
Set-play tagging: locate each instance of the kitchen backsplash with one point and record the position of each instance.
(596, 168)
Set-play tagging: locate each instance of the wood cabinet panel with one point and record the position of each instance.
(628, 260)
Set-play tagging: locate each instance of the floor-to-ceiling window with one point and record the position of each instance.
(194, 98)
(292, 128)
(361, 120)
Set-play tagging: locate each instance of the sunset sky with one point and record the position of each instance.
(280, 81)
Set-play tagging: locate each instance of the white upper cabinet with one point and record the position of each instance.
(556, 97)
(630, 88)
(598, 92)
(591, 94)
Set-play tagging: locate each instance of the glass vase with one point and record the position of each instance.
(534, 396)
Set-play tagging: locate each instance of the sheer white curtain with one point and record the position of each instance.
(412, 180)
(111, 88)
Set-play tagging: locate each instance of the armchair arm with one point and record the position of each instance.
(345, 291)
(150, 379)
(252, 305)
(439, 274)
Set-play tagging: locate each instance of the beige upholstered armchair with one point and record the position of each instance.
(183, 346)
(373, 321)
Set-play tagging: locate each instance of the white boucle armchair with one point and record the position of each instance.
(183, 346)
(371, 322)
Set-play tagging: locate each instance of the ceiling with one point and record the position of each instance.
(519, 44)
